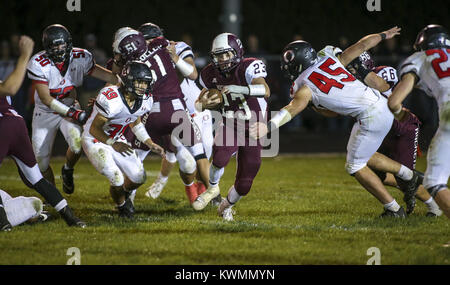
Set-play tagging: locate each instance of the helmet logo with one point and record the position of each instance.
(288, 56)
(130, 47)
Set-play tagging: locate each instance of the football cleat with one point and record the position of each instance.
(67, 180)
(410, 189)
(43, 216)
(202, 201)
(225, 210)
(434, 213)
(216, 201)
(156, 188)
(6, 227)
(126, 210)
(399, 214)
(70, 218)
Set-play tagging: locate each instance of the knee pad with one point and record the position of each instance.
(171, 157)
(352, 168)
(196, 150)
(435, 189)
(116, 178)
(186, 161)
(243, 186)
(43, 162)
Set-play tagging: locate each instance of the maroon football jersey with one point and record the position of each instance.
(237, 106)
(167, 85)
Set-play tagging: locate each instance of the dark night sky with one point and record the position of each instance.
(274, 22)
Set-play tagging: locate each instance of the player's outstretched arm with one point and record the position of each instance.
(403, 88)
(104, 74)
(300, 101)
(12, 84)
(366, 43)
(185, 66)
(141, 134)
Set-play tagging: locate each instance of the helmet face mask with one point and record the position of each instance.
(225, 61)
(137, 79)
(150, 31)
(57, 42)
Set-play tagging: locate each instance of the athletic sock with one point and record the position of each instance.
(191, 192)
(233, 196)
(431, 204)
(50, 193)
(162, 178)
(392, 206)
(405, 173)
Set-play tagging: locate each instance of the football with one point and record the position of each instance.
(212, 94)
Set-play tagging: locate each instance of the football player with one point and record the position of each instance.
(244, 91)
(323, 80)
(429, 70)
(17, 144)
(168, 114)
(55, 72)
(181, 53)
(116, 108)
(401, 142)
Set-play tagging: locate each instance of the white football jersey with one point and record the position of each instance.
(335, 88)
(389, 74)
(41, 69)
(111, 105)
(432, 67)
(188, 86)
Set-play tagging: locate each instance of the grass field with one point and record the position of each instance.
(301, 210)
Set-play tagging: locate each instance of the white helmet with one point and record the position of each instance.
(119, 35)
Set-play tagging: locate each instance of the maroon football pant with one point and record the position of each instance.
(14, 140)
(248, 159)
(401, 142)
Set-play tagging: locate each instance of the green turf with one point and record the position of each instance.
(301, 210)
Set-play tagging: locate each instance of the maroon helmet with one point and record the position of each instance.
(131, 44)
(224, 43)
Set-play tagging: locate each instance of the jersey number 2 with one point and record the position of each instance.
(435, 63)
(324, 83)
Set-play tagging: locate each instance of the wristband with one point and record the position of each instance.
(185, 68)
(383, 36)
(281, 118)
(59, 107)
(110, 141)
(140, 132)
(398, 111)
(257, 90)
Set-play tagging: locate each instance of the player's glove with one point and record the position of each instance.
(78, 115)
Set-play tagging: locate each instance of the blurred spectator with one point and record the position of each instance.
(14, 40)
(90, 43)
(252, 48)
(343, 42)
(91, 85)
(297, 37)
(7, 63)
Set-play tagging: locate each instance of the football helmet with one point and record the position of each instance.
(150, 31)
(226, 43)
(432, 36)
(57, 43)
(129, 43)
(296, 57)
(362, 65)
(137, 79)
